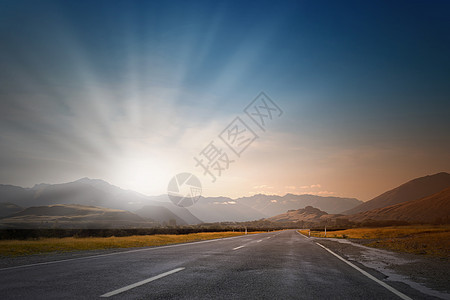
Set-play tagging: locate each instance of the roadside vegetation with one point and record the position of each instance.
(420, 239)
(10, 248)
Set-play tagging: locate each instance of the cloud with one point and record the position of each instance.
(259, 186)
(312, 186)
(260, 192)
(262, 189)
(323, 193)
(224, 203)
(290, 187)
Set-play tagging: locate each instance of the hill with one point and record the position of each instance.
(430, 209)
(308, 214)
(73, 216)
(7, 209)
(412, 190)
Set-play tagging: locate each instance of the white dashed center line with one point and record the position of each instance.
(132, 286)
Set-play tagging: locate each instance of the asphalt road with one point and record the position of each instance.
(276, 265)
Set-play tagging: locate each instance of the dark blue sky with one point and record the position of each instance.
(87, 85)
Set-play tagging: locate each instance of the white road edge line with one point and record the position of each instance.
(383, 284)
(132, 286)
(238, 247)
(121, 252)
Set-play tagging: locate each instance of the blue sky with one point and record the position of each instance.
(130, 91)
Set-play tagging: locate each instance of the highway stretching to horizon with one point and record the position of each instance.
(274, 265)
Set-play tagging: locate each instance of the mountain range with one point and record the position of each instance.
(411, 190)
(74, 216)
(159, 209)
(423, 199)
(274, 204)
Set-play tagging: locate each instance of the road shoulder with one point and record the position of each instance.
(428, 275)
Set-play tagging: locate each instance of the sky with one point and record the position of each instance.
(356, 94)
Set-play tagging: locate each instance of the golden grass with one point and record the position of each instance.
(434, 244)
(46, 245)
(429, 240)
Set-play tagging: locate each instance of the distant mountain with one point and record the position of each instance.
(7, 209)
(431, 209)
(182, 212)
(270, 205)
(92, 192)
(96, 192)
(412, 190)
(73, 216)
(307, 214)
(85, 191)
(222, 209)
(15, 194)
(160, 214)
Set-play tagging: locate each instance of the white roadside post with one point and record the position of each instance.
(245, 229)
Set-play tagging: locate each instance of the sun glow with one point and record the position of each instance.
(146, 175)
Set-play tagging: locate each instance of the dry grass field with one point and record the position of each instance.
(429, 240)
(10, 248)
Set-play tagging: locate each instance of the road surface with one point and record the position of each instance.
(275, 265)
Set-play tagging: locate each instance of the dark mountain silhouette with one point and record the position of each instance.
(7, 209)
(73, 216)
(412, 190)
(430, 209)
